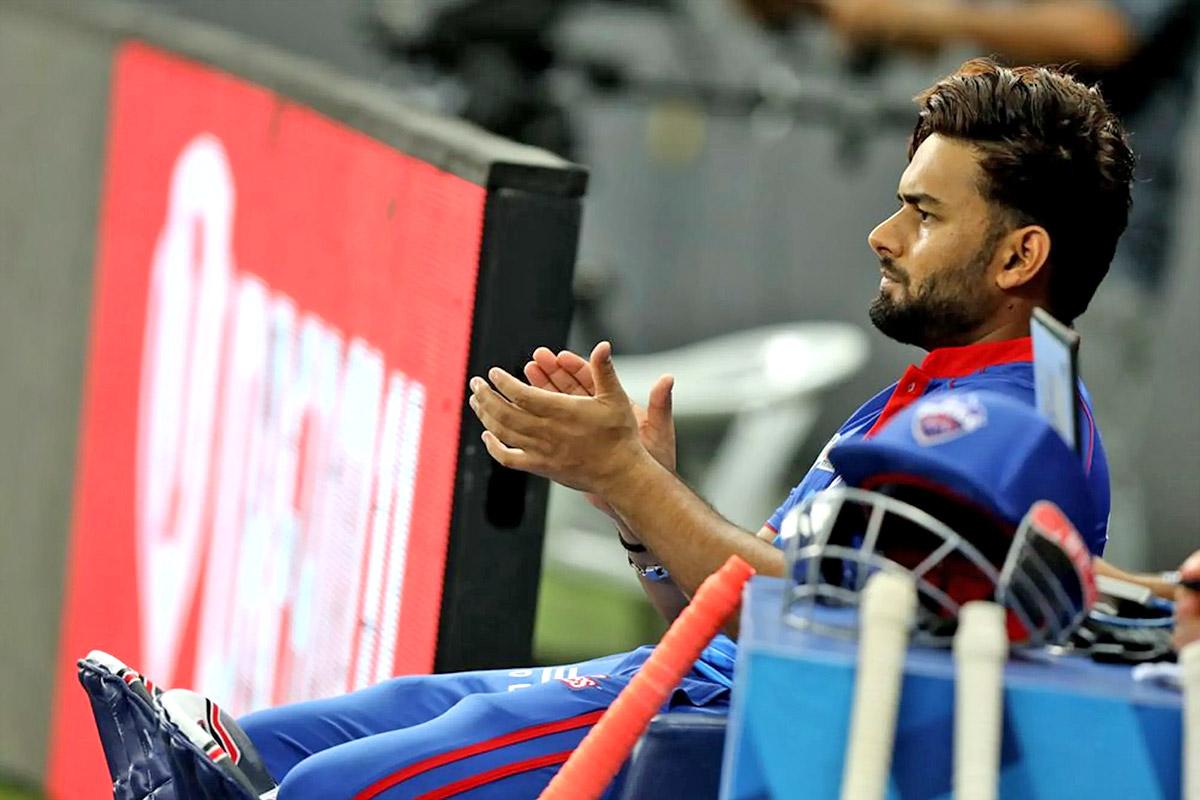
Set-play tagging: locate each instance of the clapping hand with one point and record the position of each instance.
(571, 374)
(590, 443)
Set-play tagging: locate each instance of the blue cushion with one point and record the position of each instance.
(678, 756)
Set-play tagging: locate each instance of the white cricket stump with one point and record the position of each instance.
(980, 650)
(889, 605)
(1189, 673)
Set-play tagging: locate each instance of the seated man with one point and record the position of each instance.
(951, 477)
(1003, 162)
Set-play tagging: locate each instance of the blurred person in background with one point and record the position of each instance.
(499, 53)
(1143, 56)
(1187, 605)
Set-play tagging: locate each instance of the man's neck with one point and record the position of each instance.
(996, 330)
(1009, 329)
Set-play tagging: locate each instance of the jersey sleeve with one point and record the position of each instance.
(1096, 466)
(821, 474)
(793, 499)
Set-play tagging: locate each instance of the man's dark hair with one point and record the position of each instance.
(1052, 154)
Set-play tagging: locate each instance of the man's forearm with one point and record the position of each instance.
(1093, 34)
(691, 538)
(1152, 581)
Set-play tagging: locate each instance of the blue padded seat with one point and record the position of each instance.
(679, 755)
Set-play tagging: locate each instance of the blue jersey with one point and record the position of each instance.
(1005, 367)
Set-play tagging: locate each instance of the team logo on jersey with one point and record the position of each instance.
(580, 682)
(943, 420)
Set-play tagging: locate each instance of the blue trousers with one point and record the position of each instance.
(491, 734)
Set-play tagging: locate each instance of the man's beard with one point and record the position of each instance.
(945, 311)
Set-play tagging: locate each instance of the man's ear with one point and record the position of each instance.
(1023, 253)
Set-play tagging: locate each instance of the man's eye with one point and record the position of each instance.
(924, 215)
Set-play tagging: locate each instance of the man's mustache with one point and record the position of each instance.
(892, 271)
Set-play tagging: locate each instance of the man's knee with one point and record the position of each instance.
(324, 776)
(278, 751)
(342, 772)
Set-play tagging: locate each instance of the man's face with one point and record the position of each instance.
(936, 252)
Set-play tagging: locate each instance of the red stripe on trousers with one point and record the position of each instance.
(483, 778)
(516, 737)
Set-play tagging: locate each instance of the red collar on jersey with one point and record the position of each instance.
(949, 363)
(957, 362)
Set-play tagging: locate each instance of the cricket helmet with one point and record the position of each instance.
(974, 495)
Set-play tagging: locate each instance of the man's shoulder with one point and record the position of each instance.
(869, 410)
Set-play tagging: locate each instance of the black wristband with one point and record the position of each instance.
(632, 547)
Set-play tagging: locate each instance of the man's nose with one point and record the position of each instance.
(883, 239)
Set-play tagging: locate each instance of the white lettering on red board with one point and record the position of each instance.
(276, 463)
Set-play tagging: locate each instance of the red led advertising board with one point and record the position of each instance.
(271, 412)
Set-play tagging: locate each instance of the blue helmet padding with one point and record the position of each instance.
(994, 451)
